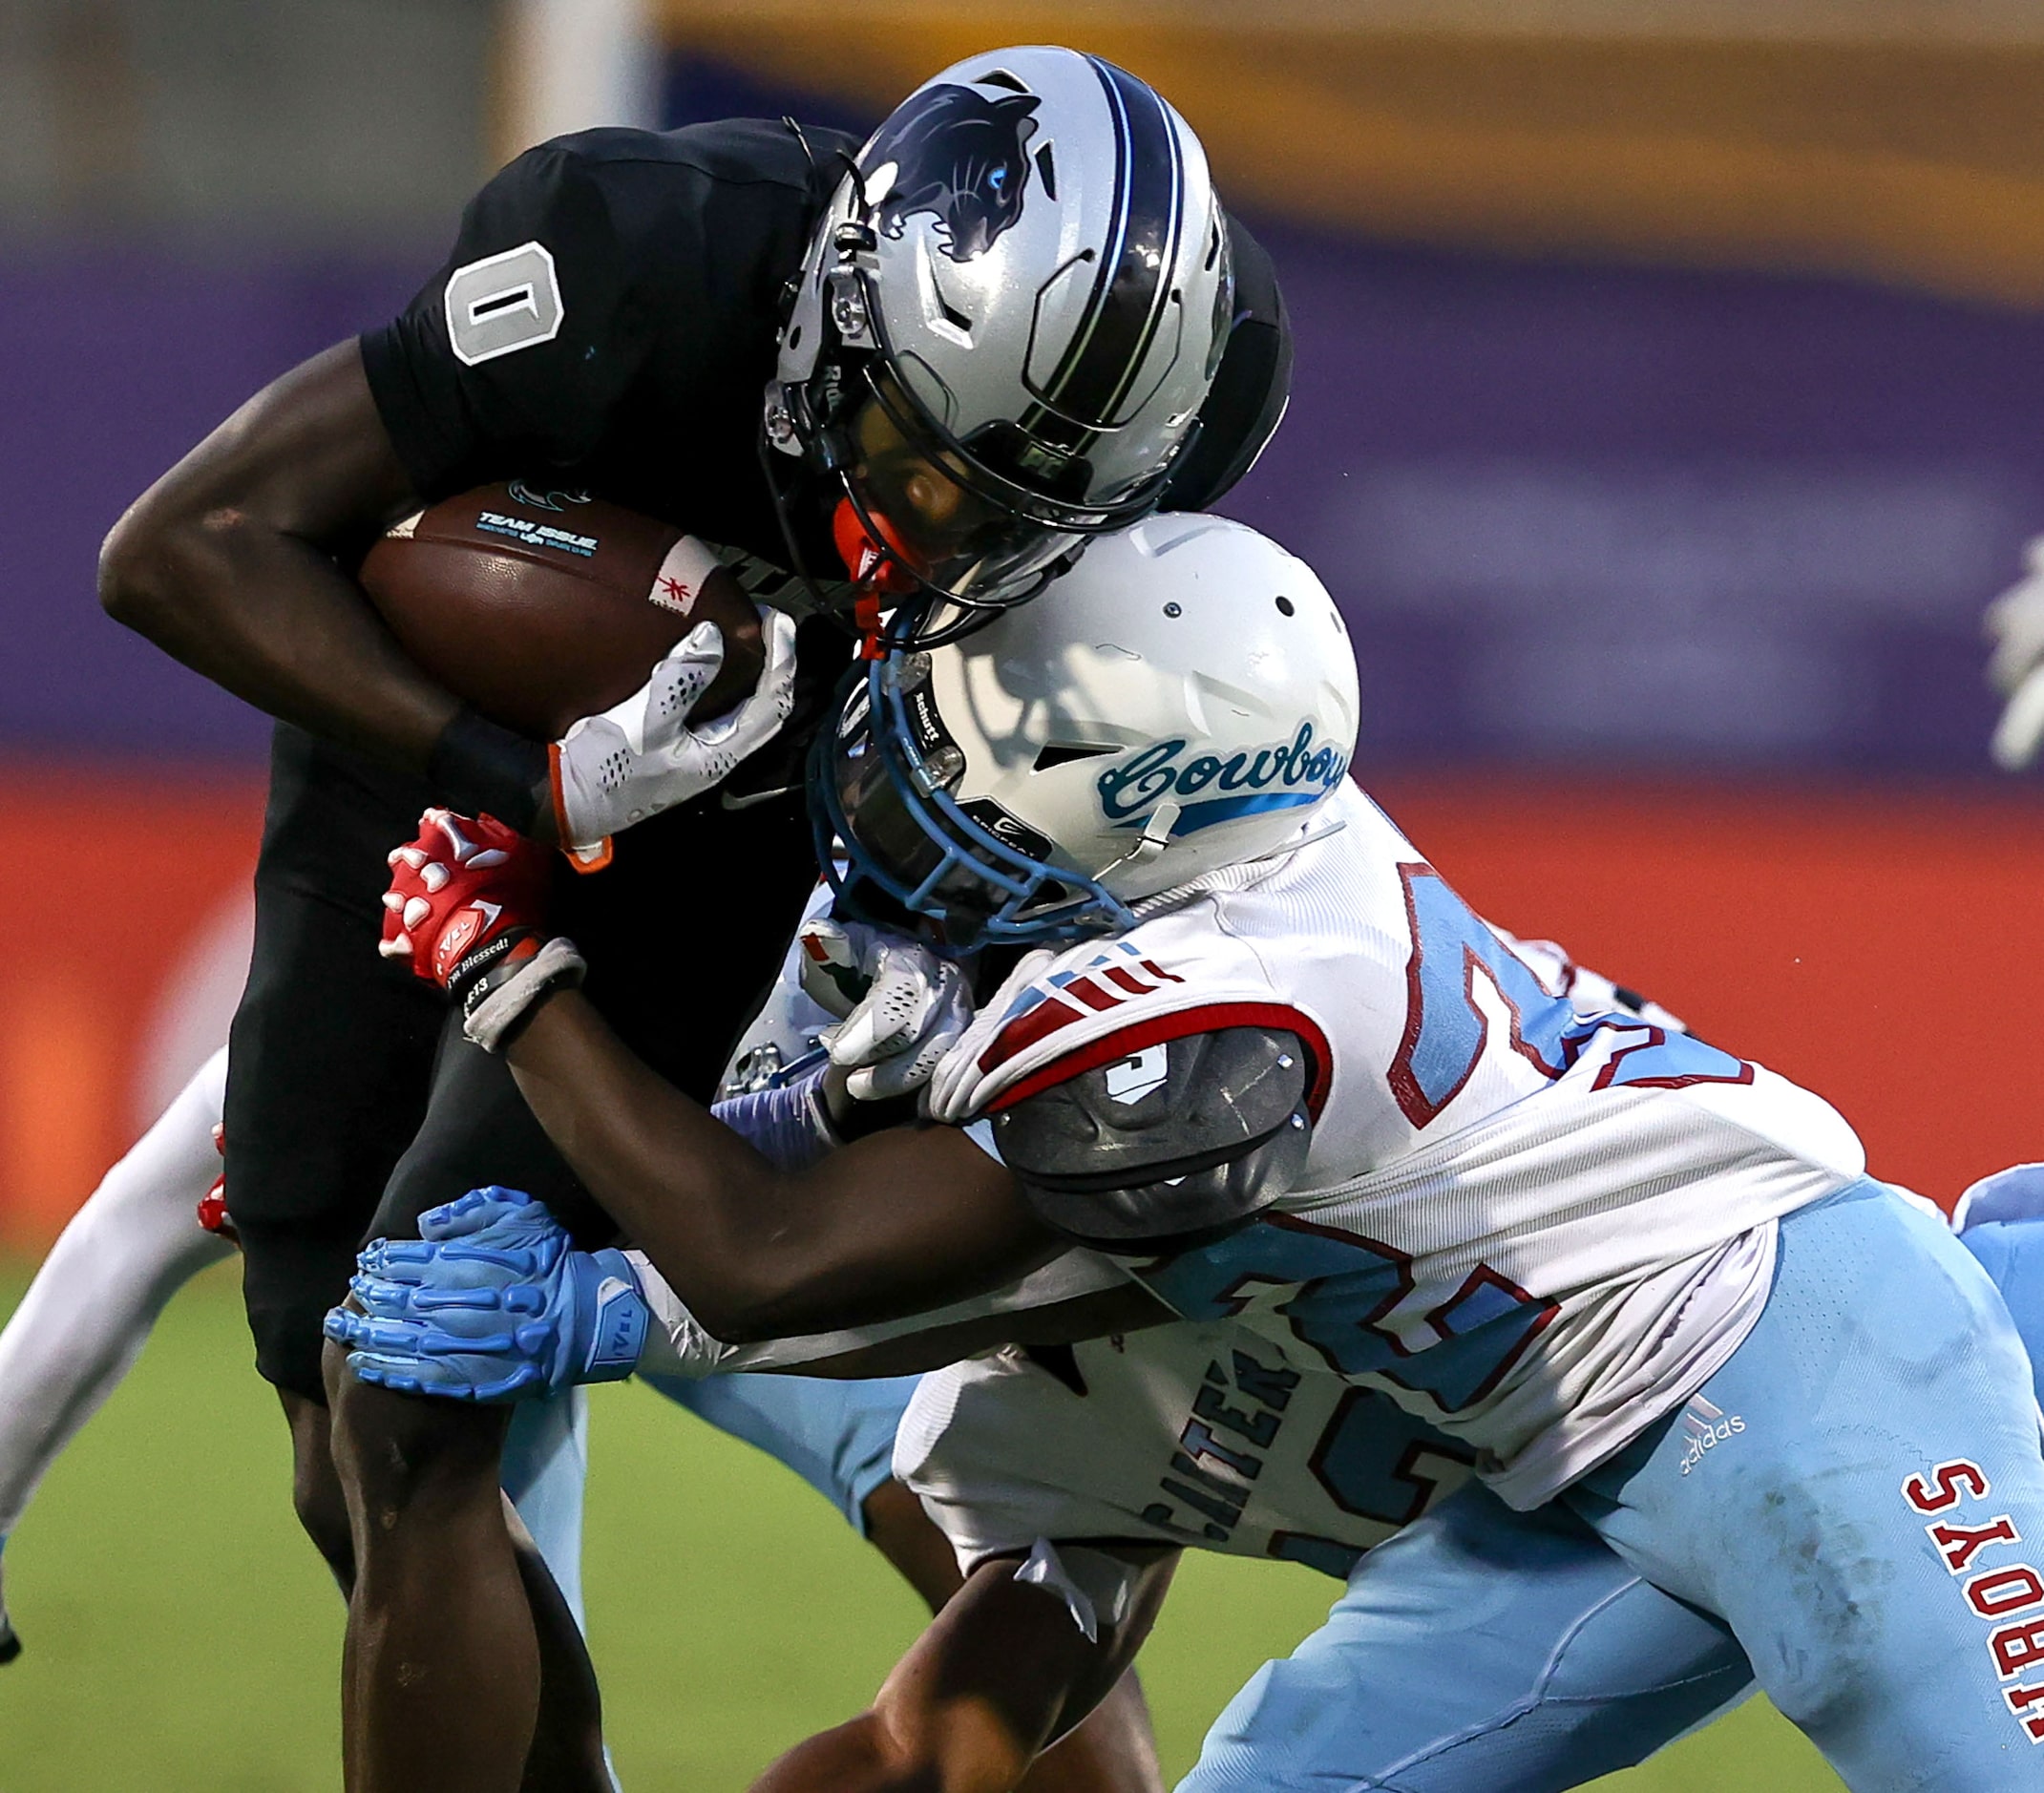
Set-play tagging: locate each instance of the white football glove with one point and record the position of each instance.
(903, 1006)
(2014, 622)
(643, 755)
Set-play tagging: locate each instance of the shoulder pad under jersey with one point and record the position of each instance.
(1187, 1138)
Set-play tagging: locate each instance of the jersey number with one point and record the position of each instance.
(1447, 1029)
(504, 304)
(1346, 1286)
(1380, 1462)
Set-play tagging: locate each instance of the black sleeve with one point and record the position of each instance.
(515, 356)
(1251, 387)
(1183, 1142)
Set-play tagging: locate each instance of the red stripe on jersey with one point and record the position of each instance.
(1093, 996)
(1134, 1037)
(1026, 1030)
(1128, 981)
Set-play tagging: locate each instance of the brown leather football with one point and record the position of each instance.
(540, 606)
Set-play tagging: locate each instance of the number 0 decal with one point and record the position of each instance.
(504, 304)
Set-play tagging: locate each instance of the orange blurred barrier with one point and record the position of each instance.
(1875, 945)
(60, 1061)
(105, 879)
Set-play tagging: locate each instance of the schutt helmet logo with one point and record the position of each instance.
(958, 156)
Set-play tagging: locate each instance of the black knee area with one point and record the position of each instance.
(476, 1131)
(290, 1276)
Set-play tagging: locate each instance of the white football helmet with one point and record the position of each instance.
(1030, 272)
(1181, 700)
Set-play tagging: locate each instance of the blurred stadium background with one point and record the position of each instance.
(1669, 385)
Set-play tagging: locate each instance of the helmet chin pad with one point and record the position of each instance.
(885, 566)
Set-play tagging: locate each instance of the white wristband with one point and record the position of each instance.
(493, 1021)
(678, 1345)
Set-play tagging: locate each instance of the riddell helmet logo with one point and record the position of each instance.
(958, 156)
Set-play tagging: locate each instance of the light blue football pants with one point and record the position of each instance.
(545, 1465)
(838, 1436)
(1857, 1543)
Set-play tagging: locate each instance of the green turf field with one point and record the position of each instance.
(181, 1636)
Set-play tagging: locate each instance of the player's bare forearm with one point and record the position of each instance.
(897, 1223)
(1001, 1673)
(232, 562)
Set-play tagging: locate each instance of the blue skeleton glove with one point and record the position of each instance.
(491, 1303)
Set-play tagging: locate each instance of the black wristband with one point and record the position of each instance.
(479, 973)
(481, 768)
(861, 1118)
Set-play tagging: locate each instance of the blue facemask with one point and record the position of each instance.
(882, 786)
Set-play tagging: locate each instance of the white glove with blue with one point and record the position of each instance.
(902, 1008)
(492, 1302)
(647, 754)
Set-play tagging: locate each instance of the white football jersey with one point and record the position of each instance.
(1196, 1435)
(1537, 1230)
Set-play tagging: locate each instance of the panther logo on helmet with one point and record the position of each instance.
(959, 156)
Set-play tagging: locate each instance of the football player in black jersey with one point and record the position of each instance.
(1022, 319)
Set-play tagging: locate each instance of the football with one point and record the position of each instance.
(540, 607)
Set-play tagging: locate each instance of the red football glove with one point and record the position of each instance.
(466, 896)
(213, 1204)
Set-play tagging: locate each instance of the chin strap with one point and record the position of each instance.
(866, 619)
(1156, 835)
(879, 568)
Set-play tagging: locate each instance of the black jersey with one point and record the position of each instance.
(608, 321)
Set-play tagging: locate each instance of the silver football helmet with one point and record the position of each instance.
(1004, 327)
